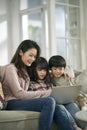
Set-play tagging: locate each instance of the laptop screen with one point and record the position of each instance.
(64, 95)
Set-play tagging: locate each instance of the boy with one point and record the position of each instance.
(57, 65)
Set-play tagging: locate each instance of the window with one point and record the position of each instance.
(67, 15)
(35, 18)
(34, 22)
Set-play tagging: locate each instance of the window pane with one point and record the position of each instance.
(60, 13)
(25, 27)
(3, 31)
(74, 54)
(3, 9)
(23, 4)
(31, 3)
(36, 3)
(74, 22)
(35, 27)
(62, 47)
(74, 2)
(68, 49)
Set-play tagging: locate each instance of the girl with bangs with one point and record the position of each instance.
(40, 77)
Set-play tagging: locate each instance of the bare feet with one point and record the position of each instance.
(76, 127)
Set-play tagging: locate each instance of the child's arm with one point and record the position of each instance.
(67, 76)
(70, 79)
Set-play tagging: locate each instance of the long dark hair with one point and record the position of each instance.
(41, 63)
(16, 60)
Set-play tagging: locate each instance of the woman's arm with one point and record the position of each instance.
(47, 92)
(12, 81)
(16, 87)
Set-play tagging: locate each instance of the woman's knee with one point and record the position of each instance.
(51, 101)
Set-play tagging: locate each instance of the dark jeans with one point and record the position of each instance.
(72, 109)
(62, 118)
(48, 110)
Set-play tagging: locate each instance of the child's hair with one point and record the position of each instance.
(57, 61)
(41, 63)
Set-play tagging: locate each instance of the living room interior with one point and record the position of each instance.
(58, 26)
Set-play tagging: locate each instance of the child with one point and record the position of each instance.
(40, 78)
(57, 66)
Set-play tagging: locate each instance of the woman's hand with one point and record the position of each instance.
(46, 93)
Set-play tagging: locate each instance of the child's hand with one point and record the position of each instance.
(71, 80)
(67, 76)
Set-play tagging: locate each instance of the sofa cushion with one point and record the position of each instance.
(69, 70)
(81, 79)
(19, 120)
(12, 116)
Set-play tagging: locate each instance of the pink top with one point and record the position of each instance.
(15, 87)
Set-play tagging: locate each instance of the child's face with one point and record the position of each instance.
(57, 72)
(41, 73)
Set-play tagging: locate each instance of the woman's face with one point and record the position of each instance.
(29, 56)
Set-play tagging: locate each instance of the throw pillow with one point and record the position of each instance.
(81, 79)
(69, 70)
(2, 100)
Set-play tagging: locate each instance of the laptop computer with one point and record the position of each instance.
(64, 95)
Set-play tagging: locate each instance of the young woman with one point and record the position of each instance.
(15, 80)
